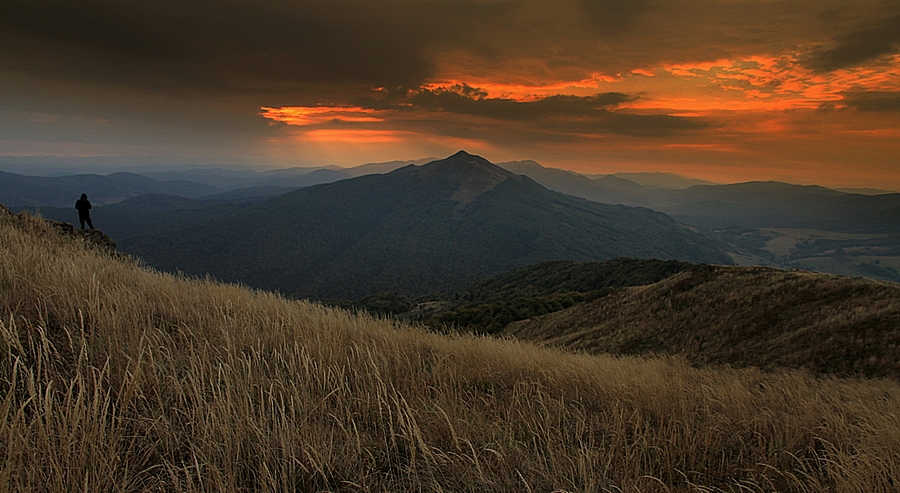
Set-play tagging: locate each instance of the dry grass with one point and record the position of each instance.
(740, 316)
(118, 379)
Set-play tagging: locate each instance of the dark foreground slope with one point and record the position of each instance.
(416, 230)
(740, 316)
(113, 378)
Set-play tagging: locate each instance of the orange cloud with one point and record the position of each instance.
(780, 83)
(755, 83)
(354, 136)
(312, 115)
(644, 72)
(529, 92)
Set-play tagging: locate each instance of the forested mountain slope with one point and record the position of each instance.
(416, 230)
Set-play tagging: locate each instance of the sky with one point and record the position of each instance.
(803, 91)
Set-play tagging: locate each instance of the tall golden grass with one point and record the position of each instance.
(115, 378)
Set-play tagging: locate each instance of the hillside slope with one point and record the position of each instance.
(561, 276)
(740, 316)
(416, 230)
(114, 378)
(526, 292)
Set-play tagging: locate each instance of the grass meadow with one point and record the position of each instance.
(741, 317)
(116, 378)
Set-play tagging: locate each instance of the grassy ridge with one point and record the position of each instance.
(740, 316)
(113, 378)
(535, 290)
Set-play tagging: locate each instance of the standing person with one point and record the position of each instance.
(84, 210)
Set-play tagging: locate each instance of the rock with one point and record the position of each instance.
(93, 237)
(96, 238)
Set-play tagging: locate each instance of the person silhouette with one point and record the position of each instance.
(84, 211)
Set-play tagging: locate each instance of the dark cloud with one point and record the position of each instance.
(465, 99)
(612, 16)
(874, 101)
(605, 122)
(297, 48)
(859, 47)
(554, 117)
(238, 44)
(471, 101)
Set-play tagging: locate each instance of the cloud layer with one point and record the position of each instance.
(237, 45)
(675, 82)
(243, 45)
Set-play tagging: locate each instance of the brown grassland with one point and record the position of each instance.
(740, 316)
(116, 378)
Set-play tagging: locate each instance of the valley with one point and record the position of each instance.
(875, 256)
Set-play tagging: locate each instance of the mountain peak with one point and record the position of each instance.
(473, 174)
(463, 154)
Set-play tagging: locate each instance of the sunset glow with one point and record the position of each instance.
(311, 115)
(720, 90)
(352, 136)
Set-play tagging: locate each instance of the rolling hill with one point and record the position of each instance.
(847, 232)
(662, 181)
(560, 276)
(118, 378)
(19, 190)
(740, 316)
(757, 223)
(63, 191)
(525, 292)
(419, 229)
(746, 205)
(781, 205)
(233, 179)
(151, 214)
(607, 189)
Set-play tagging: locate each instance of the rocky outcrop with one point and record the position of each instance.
(92, 237)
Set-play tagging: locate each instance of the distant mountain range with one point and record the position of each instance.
(762, 223)
(63, 191)
(662, 181)
(416, 230)
(292, 178)
(758, 223)
(607, 189)
(18, 190)
(694, 202)
(749, 205)
(781, 205)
